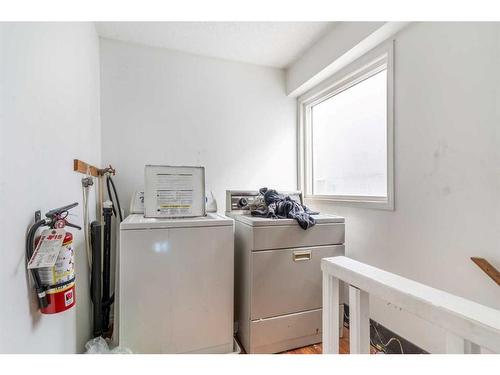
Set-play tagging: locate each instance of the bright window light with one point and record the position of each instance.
(349, 140)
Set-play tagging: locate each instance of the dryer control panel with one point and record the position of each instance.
(238, 201)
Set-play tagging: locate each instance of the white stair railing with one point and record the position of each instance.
(471, 327)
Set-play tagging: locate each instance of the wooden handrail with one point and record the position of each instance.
(469, 325)
(487, 268)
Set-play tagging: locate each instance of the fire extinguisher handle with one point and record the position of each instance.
(58, 211)
(73, 225)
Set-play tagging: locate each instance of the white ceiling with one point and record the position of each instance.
(275, 44)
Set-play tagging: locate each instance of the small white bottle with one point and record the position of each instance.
(211, 205)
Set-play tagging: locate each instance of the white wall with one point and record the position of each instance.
(447, 176)
(49, 114)
(165, 107)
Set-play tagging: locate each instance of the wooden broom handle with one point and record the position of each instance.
(488, 268)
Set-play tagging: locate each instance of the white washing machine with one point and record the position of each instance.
(278, 279)
(176, 284)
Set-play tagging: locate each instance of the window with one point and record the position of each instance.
(345, 131)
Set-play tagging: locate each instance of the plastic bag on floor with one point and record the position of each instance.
(97, 346)
(100, 346)
(120, 350)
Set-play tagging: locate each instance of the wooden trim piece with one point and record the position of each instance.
(488, 269)
(85, 168)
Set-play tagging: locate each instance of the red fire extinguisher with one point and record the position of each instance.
(55, 283)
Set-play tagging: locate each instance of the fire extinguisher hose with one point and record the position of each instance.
(30, 241)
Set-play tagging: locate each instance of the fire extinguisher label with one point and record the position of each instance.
(63, 271)
(68, 297)
(48, 248)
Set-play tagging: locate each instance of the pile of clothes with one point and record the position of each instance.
(272, 204)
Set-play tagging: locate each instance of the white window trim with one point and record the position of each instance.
(381, 58)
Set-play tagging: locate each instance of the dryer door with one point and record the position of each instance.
(287, 281)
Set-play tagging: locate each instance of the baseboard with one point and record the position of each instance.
(380, 335)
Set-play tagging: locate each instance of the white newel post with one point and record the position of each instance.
(359, 321)
(331, 322)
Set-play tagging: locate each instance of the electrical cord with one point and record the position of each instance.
(397, 340)
(109, 181)
(110, 196)
(384, 346)
(372, 343)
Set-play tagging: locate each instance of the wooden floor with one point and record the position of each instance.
(317, 348)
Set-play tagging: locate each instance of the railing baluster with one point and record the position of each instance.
(330, 314)
(359, 321)
(486, 351)
(454, 344)
(458, 345)
(471, 348)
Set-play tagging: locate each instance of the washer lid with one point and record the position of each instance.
(138, 221)
(265, 221)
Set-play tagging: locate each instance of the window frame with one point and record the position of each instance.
(361, 69)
